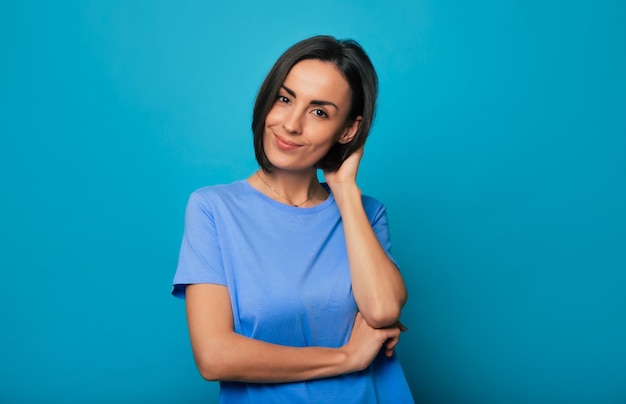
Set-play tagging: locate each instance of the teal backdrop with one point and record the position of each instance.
(499, 149)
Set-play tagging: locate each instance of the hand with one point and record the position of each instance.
(365, 342)
(346, 173)
(391, 343)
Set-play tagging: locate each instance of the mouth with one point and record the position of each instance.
(284, 144)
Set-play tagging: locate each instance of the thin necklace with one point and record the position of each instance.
(283, 196)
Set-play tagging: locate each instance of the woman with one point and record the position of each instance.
(291, 292)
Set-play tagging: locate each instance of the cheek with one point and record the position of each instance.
(273, 117)
(338, 134)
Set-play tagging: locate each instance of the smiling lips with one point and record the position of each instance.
(284, 144)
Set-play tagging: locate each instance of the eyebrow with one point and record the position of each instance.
(313, 102)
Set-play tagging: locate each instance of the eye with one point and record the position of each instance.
(283, 99)
(320, 113)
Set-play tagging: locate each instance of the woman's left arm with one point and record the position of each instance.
(377, 284)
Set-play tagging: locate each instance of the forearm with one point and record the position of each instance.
(222, 354)
(377, 284)
(233, 357)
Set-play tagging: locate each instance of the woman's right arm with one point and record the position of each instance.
(222, 354)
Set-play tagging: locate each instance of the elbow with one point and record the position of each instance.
(381, 317)
(215, 358)
(209, 375)
(383, 313)
(208, 370)
(212, 366)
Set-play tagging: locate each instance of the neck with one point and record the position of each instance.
(293, 188)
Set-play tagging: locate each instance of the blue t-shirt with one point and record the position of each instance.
(287, 273)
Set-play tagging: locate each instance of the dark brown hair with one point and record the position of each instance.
(357, 69)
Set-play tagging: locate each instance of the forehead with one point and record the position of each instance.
(319, 80)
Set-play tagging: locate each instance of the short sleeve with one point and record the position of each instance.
(200, 258)
(377, 215)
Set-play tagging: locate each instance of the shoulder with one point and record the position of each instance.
(214, 193)
(373, 207)
(372, 202)
(210, 200)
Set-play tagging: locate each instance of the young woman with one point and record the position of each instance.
(291, 292)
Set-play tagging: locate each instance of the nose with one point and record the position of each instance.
(292, 121)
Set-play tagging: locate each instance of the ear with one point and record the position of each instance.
(350, 130)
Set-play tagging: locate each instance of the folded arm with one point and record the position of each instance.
(222, 354)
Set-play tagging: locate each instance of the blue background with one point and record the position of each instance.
(499, 149)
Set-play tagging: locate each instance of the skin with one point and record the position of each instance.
(308, 117)
(311, 112)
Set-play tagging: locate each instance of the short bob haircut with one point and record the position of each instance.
(357, 69)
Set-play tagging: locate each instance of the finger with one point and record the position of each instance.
(359, 152)
(354, 158)
(389, 352)
(391, 343)
(401, 327)
(357, 155)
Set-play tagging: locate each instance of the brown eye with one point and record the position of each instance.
(320, 113)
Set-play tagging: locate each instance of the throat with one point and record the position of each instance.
(314, 189)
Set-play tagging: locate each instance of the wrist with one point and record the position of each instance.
(351, 362)
(347, 360)
(345, 192)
